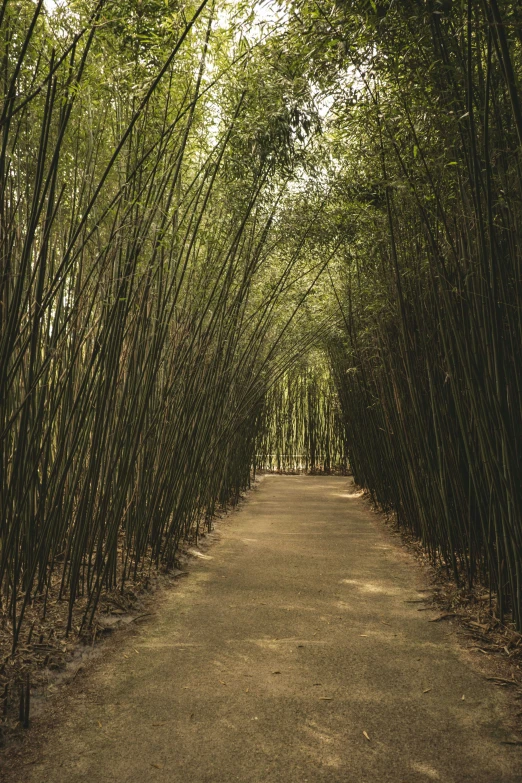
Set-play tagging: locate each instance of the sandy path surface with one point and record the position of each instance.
(278, 658)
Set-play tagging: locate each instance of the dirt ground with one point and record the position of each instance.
(294, 651)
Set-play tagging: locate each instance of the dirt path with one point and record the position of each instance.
(278, 657)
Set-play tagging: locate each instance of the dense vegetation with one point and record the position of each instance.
(429, 365)
(141, 318)
(301, 428)
(193, 198)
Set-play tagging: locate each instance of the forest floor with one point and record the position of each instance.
(302, 646)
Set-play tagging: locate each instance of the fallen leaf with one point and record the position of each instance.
(482, 626)
(247, 690)
(442, 617)
(463, 698)
(427, 690)
(197, 553)
(502, 681)
(366, 735)
(364, 634)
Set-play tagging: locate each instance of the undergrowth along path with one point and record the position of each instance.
(295, 653)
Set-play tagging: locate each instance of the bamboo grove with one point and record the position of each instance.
(239, 236)
(428, 360)
(139, 325)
